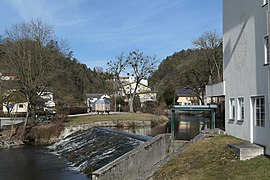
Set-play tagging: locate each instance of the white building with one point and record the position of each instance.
(246, 71)
(143, 90)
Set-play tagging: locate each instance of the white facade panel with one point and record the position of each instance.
(244, 28)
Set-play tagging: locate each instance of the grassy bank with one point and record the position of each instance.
(77, 120)
(212, 159)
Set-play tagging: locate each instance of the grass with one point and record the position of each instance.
(212, 159)
(98, 118)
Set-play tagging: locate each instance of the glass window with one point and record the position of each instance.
(259, 111)
(266, 50)
(232, 108)
(241, 109)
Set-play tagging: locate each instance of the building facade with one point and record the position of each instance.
(143, 90)
(246, 70)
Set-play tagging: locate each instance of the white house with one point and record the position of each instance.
(246, 71)
(143, 90)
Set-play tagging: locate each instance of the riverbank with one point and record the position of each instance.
(91, 118)
(211, 158)
(49, 132)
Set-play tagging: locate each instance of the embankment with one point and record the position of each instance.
(48, 133)
(136, 161)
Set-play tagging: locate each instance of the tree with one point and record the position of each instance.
(210, 45)
(194, 75)
(28, 54)
(134, 63)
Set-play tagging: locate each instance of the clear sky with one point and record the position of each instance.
(99, 30)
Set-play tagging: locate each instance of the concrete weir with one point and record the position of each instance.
(137, 161)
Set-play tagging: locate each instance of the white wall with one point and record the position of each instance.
(244, 28)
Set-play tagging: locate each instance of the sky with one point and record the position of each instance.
(97, 31)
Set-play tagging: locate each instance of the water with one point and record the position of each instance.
(35, 163)
(186, 127)
(85, 151)
(91, 149)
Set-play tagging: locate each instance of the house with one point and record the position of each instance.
(246, 71)
(48, 105)
(7, 76)
(15, 108)
(102, 106)
(91, 99)
(186, 97)
(143, 90)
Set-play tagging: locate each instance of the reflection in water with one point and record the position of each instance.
(149, 131)
(34, 163)
(186, 128)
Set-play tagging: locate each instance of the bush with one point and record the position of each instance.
(77, 110)
(154, 108)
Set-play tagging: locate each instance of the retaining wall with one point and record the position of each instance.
(137, 161)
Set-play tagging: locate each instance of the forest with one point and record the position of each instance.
(41, 62)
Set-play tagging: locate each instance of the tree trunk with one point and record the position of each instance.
(131, 104)
(26, 118)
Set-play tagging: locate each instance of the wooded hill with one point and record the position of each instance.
(40, 62)
(191, 69)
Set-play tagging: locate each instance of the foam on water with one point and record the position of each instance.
(91, 149)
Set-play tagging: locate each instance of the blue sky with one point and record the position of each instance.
(99, 30)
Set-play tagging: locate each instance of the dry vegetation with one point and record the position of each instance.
(212, 159)
(97, 118)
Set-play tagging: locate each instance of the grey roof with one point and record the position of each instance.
(184, 92)
(103, 101)
(94, 95)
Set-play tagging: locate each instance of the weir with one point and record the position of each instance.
(92, 149)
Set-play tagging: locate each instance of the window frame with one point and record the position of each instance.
(265, 2)
(232, 108)
(259, 111)
(241, 108)
(266, 50)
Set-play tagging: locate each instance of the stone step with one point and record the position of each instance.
(247, 151)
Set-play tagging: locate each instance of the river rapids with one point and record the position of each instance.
(91, 149)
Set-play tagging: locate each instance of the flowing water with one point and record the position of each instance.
(35, 163)
(91, 149)
(85, 151)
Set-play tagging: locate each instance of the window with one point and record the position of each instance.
(232, 108)
(266, 50)
(264, 2)
(259, 111)
(241, 109)
(20, 105)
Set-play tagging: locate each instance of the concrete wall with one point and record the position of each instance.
(215, 89)
(246, 76)
(137, 161)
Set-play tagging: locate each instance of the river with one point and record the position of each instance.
(186, 127)
(35, 163)
(91, 149)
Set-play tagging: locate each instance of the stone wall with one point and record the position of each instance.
(137, 161)
(114, 123)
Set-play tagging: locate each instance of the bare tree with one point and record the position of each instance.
(136, 64)
(27, 53)
(193, 75)
(211, 45)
